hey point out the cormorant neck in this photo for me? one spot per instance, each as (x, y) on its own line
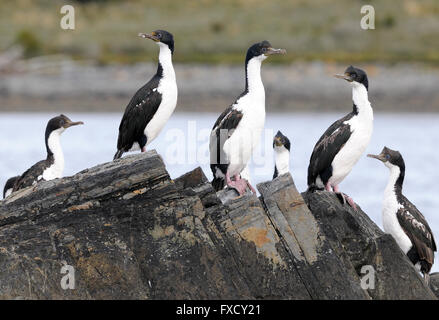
(396, 179)
(165, 68)
(53, 146)
(253, 81)
(359, 95)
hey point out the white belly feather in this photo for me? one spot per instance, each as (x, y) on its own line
(168, 90)
(349, 155)
(390, 221)
(246, 137)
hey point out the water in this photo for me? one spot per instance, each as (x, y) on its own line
(183, 145)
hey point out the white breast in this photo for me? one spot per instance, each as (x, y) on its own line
(168, 89)
(246, 137)
(282, 159)
(390, 221)
(56, 170)
(349, 155)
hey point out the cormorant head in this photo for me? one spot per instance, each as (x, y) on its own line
(354, 76)
(281, 140)
(261, 51)
(161, 37)
(390, 158)
(60, 122)
(56, 126)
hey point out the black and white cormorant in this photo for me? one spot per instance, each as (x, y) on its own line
(281, 147)
(343, 143)
(53, 166)
(9, 186)
(402, 219)
(238, 129)
(152, 105)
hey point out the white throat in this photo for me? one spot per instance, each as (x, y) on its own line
(165, 59)
(282, 159)
(254, 80)
(54, 144)
(361, 100)
(394, 175)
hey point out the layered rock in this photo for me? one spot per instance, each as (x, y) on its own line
(131, 232)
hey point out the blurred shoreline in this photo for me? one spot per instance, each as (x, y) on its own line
(64, 85)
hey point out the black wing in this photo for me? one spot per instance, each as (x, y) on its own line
(325, 150)
(417, 229)
(222, 130)
(139, 111)
(30, 176)
(10, 184)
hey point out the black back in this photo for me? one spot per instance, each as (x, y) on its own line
(411, 219)
(31, 175)
(138, 113)
(222, 130)
(325, 150)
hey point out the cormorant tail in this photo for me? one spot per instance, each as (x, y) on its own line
(118, 154)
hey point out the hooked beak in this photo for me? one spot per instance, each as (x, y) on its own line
(151, 36)
(271, 51)
(345, 76)
(380, 157)
(71, 124)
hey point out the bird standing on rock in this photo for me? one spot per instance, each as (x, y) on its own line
(153, 104)
(237, 131)
(53, 166)
(343, 143)
(402, 219)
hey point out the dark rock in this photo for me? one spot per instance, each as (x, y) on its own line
(434, 283)
(130, 232)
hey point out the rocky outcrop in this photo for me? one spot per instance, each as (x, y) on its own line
(130, 232)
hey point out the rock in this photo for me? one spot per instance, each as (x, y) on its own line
(434, 283)
(130, 232)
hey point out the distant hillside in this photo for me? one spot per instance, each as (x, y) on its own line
(219, 31)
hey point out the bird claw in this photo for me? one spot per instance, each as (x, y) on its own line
(344, 198)
(240, 186)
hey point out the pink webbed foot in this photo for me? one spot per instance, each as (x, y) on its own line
(143, 149)
(344, 198)
(328, 187)
(240, 185)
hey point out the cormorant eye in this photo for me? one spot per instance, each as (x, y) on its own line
(388, 156)
(264, 50)
(159, 35)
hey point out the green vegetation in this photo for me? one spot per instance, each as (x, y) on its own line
(212, 31)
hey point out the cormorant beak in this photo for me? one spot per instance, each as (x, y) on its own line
(71, 124)
(380, 157)
(345, 76)
(151, 36)
(270, 51)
